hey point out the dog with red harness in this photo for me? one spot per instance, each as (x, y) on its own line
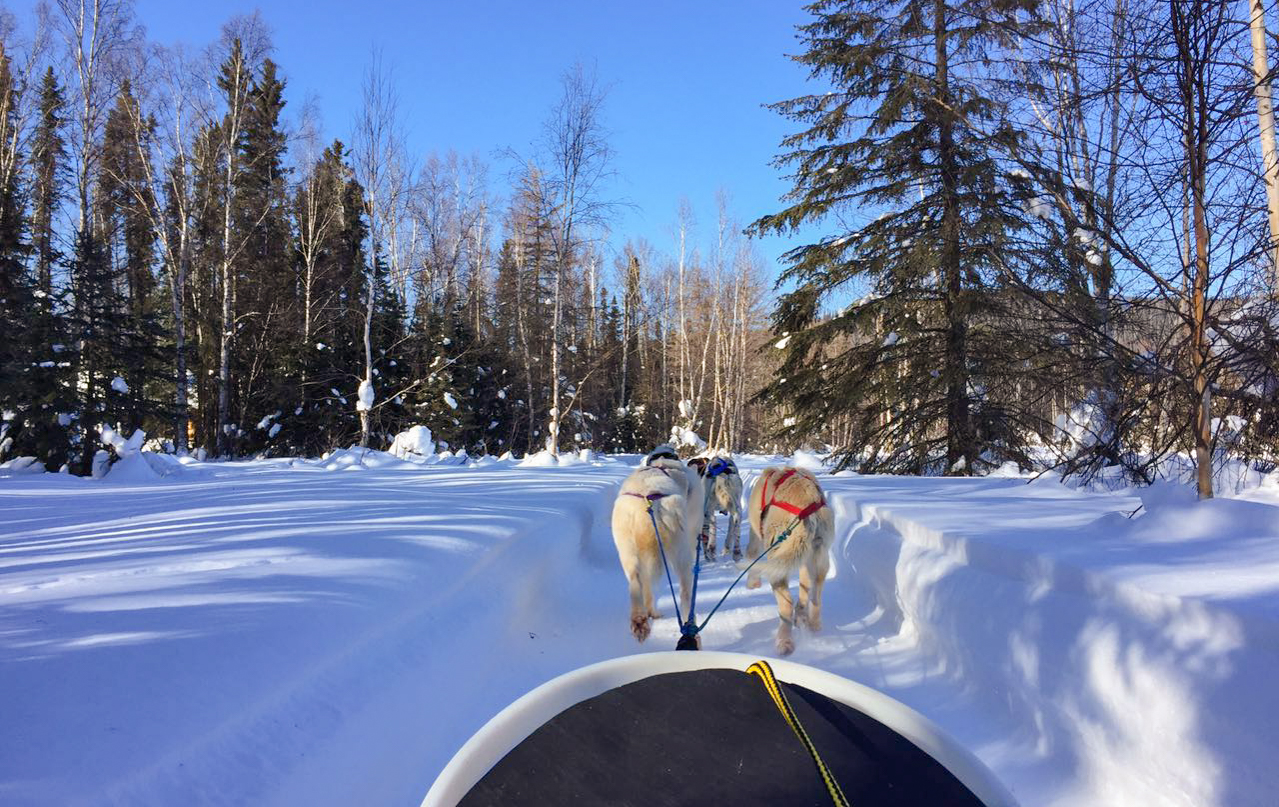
(791, 522)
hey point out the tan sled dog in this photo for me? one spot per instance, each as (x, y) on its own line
(782, 499)
(675, 494)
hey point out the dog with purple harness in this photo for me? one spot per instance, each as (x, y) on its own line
(674, 495)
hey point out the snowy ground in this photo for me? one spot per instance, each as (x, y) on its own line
(289, 632)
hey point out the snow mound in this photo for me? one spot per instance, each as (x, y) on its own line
(687, 438)
(1009, 470)
(133, 463)
(572, 459)
(134, 468)
(21, 465)
(542, 459)
(360, 459)
(451, 458)
(414, 444)
(809, 461)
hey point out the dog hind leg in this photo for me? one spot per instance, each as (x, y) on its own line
(641, 599)
(816, 567)
(786, 615)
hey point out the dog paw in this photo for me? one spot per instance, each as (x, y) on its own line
(752, 581)
(737, 554)
(785, 646)
(640, 627)
(814, 622)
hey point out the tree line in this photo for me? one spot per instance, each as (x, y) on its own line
(179, 254)
(1050, 240)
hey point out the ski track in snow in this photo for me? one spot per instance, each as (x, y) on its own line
(276, 632)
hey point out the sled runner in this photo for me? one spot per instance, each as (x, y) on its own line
(711, 728)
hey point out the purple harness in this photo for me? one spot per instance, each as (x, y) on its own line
(651, 497)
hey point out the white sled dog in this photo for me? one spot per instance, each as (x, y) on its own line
(723, 484)
(675, 494)
(780, 498)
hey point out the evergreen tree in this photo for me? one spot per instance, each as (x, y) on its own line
(48, 168)
(920, 359)
(18, 310)
(204, 284)
(99, 323)
(128, 236)
(265, 281)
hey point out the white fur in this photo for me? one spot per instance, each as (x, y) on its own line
(807, 548)
(679, 514)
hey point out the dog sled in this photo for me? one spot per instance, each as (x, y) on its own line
(680, 728)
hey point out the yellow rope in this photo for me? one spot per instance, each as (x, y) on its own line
(765, 674)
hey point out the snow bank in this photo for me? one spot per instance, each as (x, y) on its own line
(1108, 660)
(21, 465)
(355, 458)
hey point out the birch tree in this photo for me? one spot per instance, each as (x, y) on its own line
(378, 147)
(1266, 131)
(579, 165)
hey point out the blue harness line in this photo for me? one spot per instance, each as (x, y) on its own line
(689, 629)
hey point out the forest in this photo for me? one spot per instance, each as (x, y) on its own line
(1049, 238)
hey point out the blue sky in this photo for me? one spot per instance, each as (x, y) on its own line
(688, 83)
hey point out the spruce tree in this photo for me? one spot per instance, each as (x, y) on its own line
(128, 234)
(48, 169)
(265, 280)
(19, 348)
(908, 139)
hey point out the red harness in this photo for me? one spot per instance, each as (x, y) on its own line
(799, 512)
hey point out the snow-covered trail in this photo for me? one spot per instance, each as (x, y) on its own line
(284, 632)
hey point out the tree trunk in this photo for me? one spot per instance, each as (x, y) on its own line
(553, 433)
(959, 438)
(368, 362)
(1266, 125)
